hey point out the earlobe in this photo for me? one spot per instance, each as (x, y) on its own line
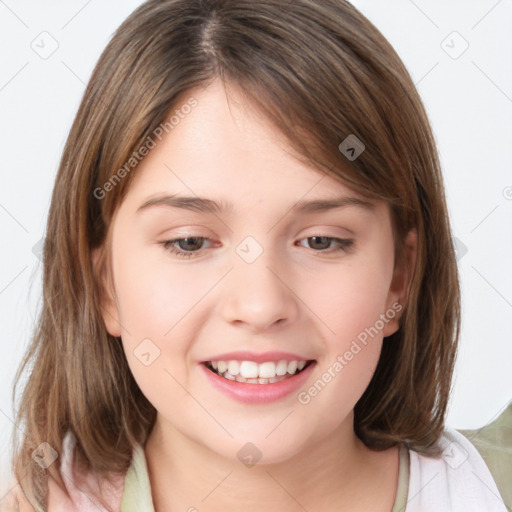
(109, 309)
(400, 284)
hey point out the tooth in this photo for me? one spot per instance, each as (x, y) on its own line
(281, 368)
(222, 366)
(272, 380)
(234, 367)
(301, 365)
(214, 365)
(249, 369)
(228, 376)
(238, 378)
(252, 381)
(292, 366)
(267, 370)
(262, 381)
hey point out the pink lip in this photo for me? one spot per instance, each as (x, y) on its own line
(245, 355)
(258, 393)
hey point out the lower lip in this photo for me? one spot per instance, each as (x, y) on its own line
(258, 393)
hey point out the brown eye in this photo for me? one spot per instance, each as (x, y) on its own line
(184, 247)
(321, 243)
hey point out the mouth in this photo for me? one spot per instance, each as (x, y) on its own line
(251, 372)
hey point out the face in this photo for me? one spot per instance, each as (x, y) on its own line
(264, 288)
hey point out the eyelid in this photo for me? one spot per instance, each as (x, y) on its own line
(341, 245)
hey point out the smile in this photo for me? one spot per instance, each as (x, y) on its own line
(257, 383)
(250, 372)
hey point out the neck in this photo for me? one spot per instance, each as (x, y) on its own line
(333, 474)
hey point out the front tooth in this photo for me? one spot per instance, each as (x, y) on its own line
(234, 367)
(267, 370)
(249, 369)
(292, 367)
(222, 366)
(281, 368)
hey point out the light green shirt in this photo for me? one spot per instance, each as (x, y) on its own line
(493, 441)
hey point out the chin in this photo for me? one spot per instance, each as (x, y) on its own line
(261, 450)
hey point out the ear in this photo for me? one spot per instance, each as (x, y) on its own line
(108, 306)
(399, 288)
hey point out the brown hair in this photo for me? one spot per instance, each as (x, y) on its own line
(320, 71)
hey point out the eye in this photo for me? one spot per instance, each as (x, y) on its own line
(190, 244)
(188, 247)
(341, 244)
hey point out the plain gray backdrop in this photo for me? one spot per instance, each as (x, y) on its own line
(459, 54)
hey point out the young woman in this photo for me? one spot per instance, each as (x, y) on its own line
(250, 289)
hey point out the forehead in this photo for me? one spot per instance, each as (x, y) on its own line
(226, 152)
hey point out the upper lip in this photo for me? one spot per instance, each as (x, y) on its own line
(263, 357)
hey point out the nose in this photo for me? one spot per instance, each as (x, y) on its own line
(259, 295)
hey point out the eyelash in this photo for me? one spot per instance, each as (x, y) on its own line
(344, 245)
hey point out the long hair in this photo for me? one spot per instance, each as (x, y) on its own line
(318, 70)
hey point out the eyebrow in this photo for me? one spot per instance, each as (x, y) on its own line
(204, 205)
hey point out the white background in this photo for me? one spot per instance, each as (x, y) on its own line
(468, 99)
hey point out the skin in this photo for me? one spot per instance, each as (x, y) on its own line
(293, 297)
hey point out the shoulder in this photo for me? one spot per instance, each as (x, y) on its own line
(82, 490)
(78, 491)
(58, 499)
(457, 479)
(494, 443)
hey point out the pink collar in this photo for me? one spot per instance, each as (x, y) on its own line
(77, 495)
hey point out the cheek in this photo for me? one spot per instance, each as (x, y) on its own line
(351, 298)
(153, 307)
(153, 295)
(350, 314)
(350, 301)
